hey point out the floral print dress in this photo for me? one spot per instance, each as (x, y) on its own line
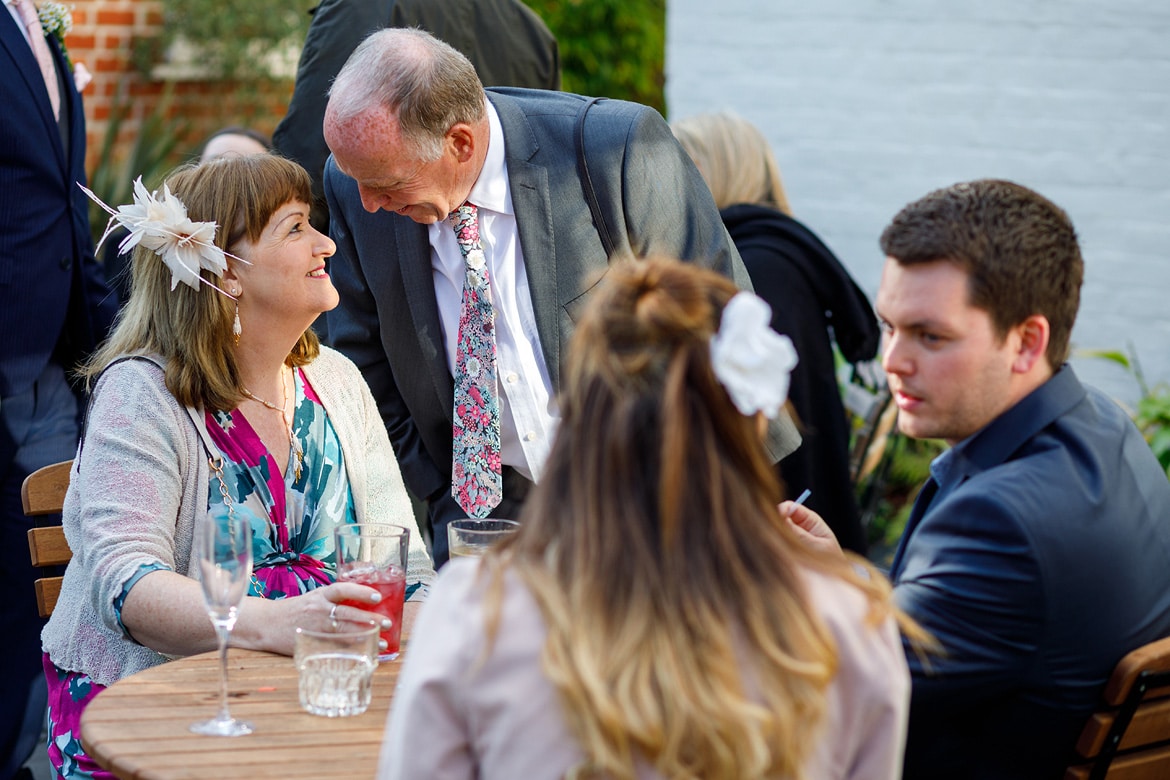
(292, 516)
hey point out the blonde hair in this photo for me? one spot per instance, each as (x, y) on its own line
(655, 552)
(192, 329)
(734, 158)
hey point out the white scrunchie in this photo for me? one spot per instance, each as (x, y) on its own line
(752, 361)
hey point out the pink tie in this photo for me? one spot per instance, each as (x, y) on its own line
(36, 36)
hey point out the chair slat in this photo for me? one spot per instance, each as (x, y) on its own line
(1141, 679)
(1147, 765)
(47, 546)
(48, 590)
(43, 492)
(1154, 657)
(1151, 723)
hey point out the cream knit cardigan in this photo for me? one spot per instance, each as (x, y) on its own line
(140, 480)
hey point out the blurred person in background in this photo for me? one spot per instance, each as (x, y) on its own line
(234, 140)
(814, 301)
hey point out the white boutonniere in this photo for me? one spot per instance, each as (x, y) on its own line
(752, 361)
(56, 21)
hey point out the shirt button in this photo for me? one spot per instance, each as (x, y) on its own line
(66, 263)
(512, 379)
(530, 436)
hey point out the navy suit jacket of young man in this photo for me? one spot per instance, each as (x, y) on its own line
(653, 199)
(1043, 558)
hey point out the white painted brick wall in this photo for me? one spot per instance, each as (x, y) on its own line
(872, 103)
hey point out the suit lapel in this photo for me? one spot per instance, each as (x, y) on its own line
(414, 262)
(528, 184)
(25, 63)
(921, 504)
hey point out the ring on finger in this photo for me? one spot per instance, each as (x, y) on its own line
(333, 615)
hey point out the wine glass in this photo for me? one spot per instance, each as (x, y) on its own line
(225, 565)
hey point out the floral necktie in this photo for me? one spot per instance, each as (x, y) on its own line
(36, 37)
(476, 481)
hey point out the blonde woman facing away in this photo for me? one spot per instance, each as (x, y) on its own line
(212, 359)
(655, 616)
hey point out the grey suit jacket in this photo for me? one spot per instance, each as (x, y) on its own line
(653, 199)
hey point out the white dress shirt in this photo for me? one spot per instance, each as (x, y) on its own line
(528, 412)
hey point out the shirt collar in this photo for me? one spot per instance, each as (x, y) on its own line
(942, 467)
(491, 188)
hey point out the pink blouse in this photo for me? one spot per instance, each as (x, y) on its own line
(458, 715)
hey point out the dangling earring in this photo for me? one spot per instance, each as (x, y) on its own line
(236, 330)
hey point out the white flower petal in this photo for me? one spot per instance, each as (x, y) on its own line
(162, 226)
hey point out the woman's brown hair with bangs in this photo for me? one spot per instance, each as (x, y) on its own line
(192, 329)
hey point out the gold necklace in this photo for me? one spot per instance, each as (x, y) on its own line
(293, 442)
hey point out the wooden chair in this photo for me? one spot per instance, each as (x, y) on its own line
(43, 493)
(1128, 738)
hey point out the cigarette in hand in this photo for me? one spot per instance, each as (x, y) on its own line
(799, 500)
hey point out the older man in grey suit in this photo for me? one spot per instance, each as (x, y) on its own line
(414, 134)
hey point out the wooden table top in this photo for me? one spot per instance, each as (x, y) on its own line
(138, 727)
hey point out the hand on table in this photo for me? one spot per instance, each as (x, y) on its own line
(269, 624)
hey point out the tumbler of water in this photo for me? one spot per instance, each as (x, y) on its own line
(225, 566)
(336, 669)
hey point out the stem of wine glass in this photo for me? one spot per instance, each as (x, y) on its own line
(222, 630)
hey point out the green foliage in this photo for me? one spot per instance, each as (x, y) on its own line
(1152, 415)
(235, 39)
(610, 48)
(1153, 420)
(152, 154)
(887, 498)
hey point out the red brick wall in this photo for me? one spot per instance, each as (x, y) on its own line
(102, 38)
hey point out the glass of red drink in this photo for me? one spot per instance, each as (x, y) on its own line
(374, 554)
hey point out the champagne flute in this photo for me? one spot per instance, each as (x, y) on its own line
(225, 564)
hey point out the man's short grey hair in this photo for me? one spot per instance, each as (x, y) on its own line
(427, 84)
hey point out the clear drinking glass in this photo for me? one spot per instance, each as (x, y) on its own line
(375, 555)
(336, 669)
(225, 565)
(472, 538)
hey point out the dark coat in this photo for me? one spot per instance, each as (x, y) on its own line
(814, 300)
